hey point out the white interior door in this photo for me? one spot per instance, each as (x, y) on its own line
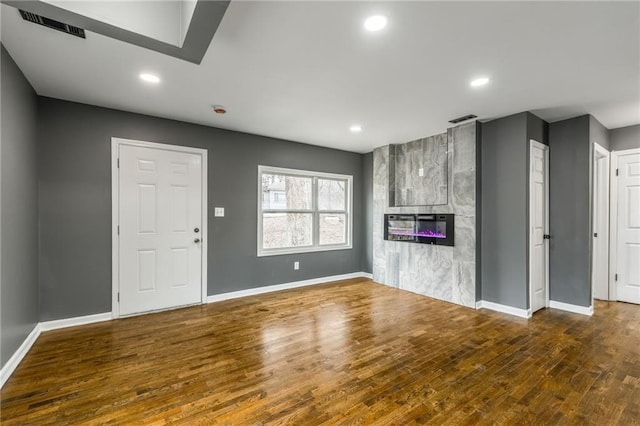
(539, 226)
(600, 276)
(160, 229)
(628, 232)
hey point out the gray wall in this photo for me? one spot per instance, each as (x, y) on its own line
(75, 204)
(19, 201)
(598, 134)
(367, 216)
(537, 129)
(569, 211)
(504, 210)
(504, 206)
(625, 138)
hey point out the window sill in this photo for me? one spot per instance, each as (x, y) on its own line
(279, 252)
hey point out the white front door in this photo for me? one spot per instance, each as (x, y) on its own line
(628, 238)
(538, 221)
(160, 229)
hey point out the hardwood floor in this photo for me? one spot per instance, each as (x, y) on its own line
(352, 352)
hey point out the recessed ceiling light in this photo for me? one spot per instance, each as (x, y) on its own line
(375, 23)
(149, 78)
(479, 82)
(356, 128)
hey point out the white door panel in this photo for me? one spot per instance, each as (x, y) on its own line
(538, 218)
(628, 252)
(160, 206)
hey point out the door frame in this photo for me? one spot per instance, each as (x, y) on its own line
(533, 143)
(116, 143)
(600, 152)
(613, 219)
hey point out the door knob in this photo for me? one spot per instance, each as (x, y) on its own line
(196, 230)
(197, 240)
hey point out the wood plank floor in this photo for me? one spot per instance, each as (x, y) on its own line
(352, 352)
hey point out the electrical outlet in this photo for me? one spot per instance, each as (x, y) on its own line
(420, 172)
(218, 211)
(296, 266)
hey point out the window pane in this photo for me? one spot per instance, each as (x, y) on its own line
(331, 194)
(332, 229)
(281, 192)
(280, 230)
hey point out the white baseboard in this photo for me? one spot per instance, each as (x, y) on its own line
(519, 312)
(583, 310)
(285, 286)
(18, 355)
(72, 322)
(22, 351)
(366, 275)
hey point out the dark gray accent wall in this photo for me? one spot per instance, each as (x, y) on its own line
(74, 156)
(367, 217)
(504, 212)
(625, 138)
(504, 206)
(537, 129)
(569, 211)
(19, 207)
(599, 134)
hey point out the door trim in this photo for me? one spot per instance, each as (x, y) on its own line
(613, 220)
(115, 207)
(533, 143)
(600, 151)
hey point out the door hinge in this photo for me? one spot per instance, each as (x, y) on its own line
(118, 161)
(617, 170)
(595, 235)
(616, 277)
(118, 297)
(118, 229)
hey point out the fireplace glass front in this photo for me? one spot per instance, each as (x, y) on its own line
(420, 228)
(400, 227)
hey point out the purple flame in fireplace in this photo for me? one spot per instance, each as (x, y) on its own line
(428, 233)
(431, 234)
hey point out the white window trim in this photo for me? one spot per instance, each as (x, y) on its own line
(316, 247)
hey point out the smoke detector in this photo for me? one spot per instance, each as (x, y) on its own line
(219, 109)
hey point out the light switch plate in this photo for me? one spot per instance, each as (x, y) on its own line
(420, 172)
(218, 211)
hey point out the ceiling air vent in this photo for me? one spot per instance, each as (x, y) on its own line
(50, 23)
(463, 118)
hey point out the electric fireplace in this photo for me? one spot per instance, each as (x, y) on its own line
(420, 228)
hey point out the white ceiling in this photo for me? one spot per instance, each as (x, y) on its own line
(166, 21)
(305, 71)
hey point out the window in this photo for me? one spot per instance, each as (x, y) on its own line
(301, 211)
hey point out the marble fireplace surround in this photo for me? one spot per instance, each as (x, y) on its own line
(406, 186)
(441, 272)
